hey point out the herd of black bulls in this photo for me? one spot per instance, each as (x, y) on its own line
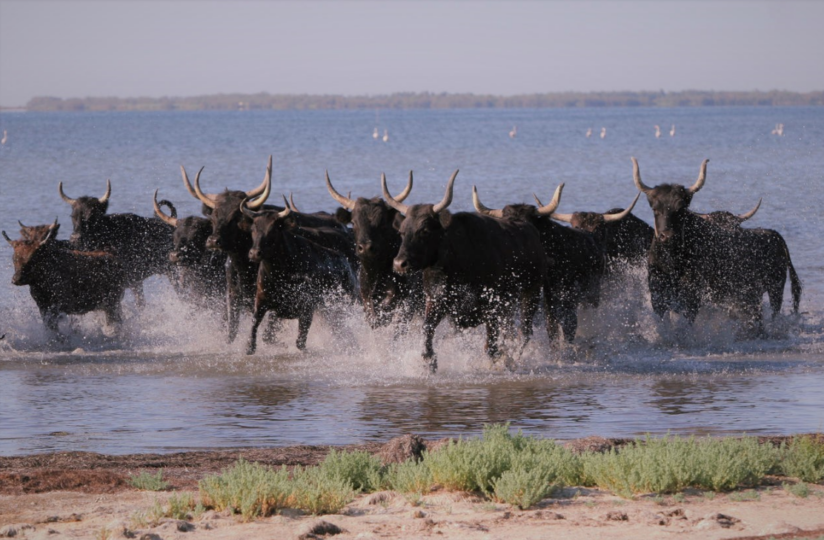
(486, 267)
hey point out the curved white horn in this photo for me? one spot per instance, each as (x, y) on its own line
(400, 207)
(481, 209)
(751, 213)
(163, 217)
(257, 203)
(208, 200)
(292, 203)
(553, 204)
(636, 177)
(447, 197)
(7, 238)
(406, 191)
(267, 179)
(608, 218)
(346, 202)
(286, 210)
(702, 176)
(63, 195)
(246, 211)
(105, 198)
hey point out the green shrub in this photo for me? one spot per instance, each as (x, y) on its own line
(361, 469)
(725, 464)
(522, 487)
(408, 477)
(148, 481)
(314, 491)
(804, 459)
(249, 489)
(801, 489)
(670, 464)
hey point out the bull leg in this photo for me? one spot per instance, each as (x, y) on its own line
(432, 318)
(257, 317)
(304, 322)
(50, 318)
(271, 330)
(493, 332)
(776, 295)
(529, 306)
(569, 320)
(139, 297)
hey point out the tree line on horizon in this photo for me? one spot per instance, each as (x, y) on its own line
(427, 100)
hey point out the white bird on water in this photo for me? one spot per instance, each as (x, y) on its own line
(513, 132)
(375, 133)
(657, 131)
(5, 137)
(672, 131)
(603, 132)
(385, 135)
(589, 133)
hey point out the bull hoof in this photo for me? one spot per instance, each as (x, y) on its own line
(301, 345)
(431, 363)
(250, 349)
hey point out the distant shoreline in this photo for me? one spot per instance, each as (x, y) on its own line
(425, 100)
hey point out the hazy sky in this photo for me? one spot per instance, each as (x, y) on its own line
(71, 48)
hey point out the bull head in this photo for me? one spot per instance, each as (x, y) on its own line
(605, 218)
(349, 204)
(403, 209)
(498, 213)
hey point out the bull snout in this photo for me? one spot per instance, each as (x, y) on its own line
(400, 265)
(74, 238)
(365, 249)
(213, 242)
(254, 255)
(664, 236)
(17, 279)
(174, 257)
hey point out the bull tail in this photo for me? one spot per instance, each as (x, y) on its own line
(795, 282)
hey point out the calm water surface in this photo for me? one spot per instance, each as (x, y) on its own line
(171, 382)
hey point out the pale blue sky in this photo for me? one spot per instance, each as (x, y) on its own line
(72, 48)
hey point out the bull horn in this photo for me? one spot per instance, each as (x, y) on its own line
(447, 197)
(246, 211)
(286, 210)
(7, 238)
(208, 200)
(553, 204)
(636, 176)
(399, 206)
(481, 209)
(292, 203)
(63, 195)
(346, 202)
(702, 176)
(609, 218)
(21, 224)
(188, 184)
(168, 220)
(257, 203)
(751, 213)
(267, 179)
(52, 231)
(105, 198)
(406, 191)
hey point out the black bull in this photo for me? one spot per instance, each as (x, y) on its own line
(140, 244)
(476, 269)
(693, 261)
(575, 263)
(296, 276)
(62, 280)
(232, 234)
(384, 293)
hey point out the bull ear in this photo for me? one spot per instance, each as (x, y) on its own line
(289, 221)
(396, 223)
(343, 216)
(445, 217)
(206, 210)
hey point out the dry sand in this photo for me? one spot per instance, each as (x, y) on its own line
(84, 495)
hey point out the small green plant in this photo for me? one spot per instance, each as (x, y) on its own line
(139, 520)
(148, 481)
(249, 489)
(679, 497)
(104, 534)
(801, 489)
(315, 492)
(409, 477)
(361, 469)
(804, 459)
(178, 507)
(743, 496)
(659, 500)
(708, 495)
(522, 487)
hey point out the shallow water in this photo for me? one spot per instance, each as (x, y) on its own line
(170, 382)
